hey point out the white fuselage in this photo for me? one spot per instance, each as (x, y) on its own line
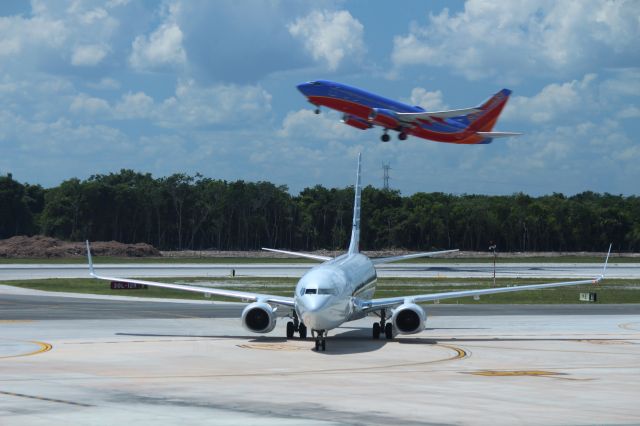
(328, 294)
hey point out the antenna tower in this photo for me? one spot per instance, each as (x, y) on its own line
(385, 168)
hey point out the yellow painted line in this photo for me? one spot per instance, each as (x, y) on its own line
(272, 347)
(41, 398)
(514, 373)
(42, 348)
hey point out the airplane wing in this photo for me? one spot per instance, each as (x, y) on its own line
(382, 260)
(494, 135)
(295, 253)
(429, 116)
(244, 296)
(390, 302)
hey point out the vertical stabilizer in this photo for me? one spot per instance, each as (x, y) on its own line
(355, 230)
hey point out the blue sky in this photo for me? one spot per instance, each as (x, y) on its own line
(192, 86)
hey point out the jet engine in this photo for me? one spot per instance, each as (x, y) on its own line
(383, 117)
(355, 122)
(259, 317)
(409, 318)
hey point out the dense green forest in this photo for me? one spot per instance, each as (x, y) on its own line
(194, 212)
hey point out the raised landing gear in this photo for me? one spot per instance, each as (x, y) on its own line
(321, 343)
(382, 326)
(402, 136)
(296, 326)
(385, 137)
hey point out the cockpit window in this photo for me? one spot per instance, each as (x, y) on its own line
(315, 83)
(310, 291)
(326, 291)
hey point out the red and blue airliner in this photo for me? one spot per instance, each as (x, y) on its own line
(364, 110)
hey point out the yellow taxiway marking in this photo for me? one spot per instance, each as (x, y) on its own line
(42, 347)
(522, 373)
(272, 347)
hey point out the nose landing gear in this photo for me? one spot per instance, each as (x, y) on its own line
(385, 136)
(319, 336)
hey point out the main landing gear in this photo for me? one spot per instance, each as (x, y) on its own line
(320, 336)
(385, 136)
(383, 325)
(296, 326)
(402, 136)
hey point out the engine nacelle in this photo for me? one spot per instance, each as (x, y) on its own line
(409, 318)
(259, 317)
(383, 117)
(355, 122)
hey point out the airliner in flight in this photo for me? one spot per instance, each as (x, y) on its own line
(339, 290)
(364, 110)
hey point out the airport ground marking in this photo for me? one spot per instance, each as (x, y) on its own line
(41, 398)
(42, 348)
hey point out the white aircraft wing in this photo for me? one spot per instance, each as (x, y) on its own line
(494, 135)
(430, 115)
(382, 260)
(390, 302)
(295, 253)
(242, 295)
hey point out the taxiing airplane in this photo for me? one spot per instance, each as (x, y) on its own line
(339, 290)
(364, 110)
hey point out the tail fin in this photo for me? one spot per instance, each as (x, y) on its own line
(489, 111)
(355, 230)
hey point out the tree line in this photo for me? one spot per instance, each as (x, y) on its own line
(195, 212)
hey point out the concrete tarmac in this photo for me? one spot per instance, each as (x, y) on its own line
(113, 361)
(407, 270)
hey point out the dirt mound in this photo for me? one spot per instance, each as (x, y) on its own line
(40, 246)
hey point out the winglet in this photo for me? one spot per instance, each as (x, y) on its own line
(606, 261)
(89, 259)
(355, 231)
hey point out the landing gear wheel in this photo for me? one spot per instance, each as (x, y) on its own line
(317, 110)
(302, 330)
(402, 136)
(320, 340)
(376, 330)
(290, 329)
(388, 331)
(385, 138)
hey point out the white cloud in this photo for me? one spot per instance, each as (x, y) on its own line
(309, 125)
(163, 47)
(105, 83)
(631, 111)
(18, 34)
(514, 39)
(84, 104)
(431, 101)
(330, 36)
(88, 55)
(194, 105)
(554, 101)
(134, 105)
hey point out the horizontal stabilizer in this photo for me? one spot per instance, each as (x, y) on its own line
(295, 253)
(381, 260)
(494, 135)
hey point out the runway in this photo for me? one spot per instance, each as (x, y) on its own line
(106, 361)
(406, 270)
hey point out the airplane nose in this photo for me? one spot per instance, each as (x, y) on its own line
(303, 88)
(314, 303)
